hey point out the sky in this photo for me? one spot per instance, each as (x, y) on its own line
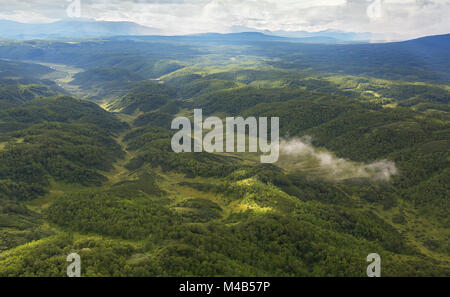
(387, 19)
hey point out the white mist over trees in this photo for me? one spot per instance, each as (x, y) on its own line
(300, 154)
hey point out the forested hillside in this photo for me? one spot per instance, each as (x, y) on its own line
(364, 165)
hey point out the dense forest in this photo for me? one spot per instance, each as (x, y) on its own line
(86, 163)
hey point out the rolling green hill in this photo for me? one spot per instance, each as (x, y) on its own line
(364, 163)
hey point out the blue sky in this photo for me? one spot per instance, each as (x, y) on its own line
(389, 19)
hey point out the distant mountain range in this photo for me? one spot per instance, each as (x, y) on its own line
(320, 36)
(327, 34)
(71, 28)
(87, 28)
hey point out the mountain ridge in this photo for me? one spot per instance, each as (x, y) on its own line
(71, 28)
(89, 28)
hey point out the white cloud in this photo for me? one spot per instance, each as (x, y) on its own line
(300, 154)
(26, 17)
(390, 18)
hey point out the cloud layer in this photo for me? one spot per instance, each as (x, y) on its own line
(300, 154)
(390, 19)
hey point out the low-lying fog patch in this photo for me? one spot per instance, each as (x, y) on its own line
(300, 154)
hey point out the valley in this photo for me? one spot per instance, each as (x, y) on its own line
(86, 164)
